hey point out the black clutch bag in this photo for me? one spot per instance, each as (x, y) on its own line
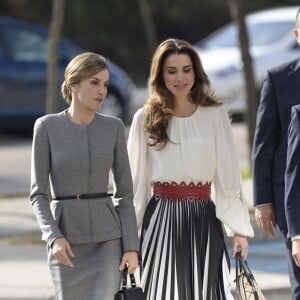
(246, 285)
(129, 293)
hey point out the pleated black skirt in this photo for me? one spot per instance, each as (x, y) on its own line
(183, 251)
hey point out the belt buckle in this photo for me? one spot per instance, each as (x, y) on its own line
(78, 197)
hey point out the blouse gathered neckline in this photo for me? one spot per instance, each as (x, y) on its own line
(188, 117)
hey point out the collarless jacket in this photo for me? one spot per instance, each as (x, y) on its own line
(76, 159)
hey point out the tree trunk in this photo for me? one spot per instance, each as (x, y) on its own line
(149, 27)
(54, 36)
(238, 16)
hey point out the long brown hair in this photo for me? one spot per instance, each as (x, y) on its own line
(161, 103)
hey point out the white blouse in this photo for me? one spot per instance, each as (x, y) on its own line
(201, 150)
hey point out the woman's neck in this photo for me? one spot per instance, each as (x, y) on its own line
(184, 108)
(80, 116)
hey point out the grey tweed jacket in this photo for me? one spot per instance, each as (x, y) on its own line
(77, 159)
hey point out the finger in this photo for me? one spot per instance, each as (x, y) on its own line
(266, 227)
(258, 221)
(131, 270)
(67, 261)
(59, 257)
(69, 250)
(132, 267)
(234, 250)
(244, 253)
(273, 221)
(260, 224)
(269, 228)
(63, 258)
(296, 260)
(122, 264)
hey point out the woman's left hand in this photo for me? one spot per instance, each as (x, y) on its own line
(240, 241)
(130, 259)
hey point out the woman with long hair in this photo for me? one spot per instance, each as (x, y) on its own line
(180, 146)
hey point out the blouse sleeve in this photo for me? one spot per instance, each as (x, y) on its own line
(139, 164)
(231, 208)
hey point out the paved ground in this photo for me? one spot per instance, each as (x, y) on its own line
(24, 272)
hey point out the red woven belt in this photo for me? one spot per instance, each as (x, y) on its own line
(182, 191)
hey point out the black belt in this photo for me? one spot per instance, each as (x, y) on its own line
(83, 196)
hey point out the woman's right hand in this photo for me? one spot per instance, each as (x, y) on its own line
(62, 251)
(240, 241)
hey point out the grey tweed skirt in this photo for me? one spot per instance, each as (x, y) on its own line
(95, 275)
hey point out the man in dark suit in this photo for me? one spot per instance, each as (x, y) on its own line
(292, 184)
(280, 92)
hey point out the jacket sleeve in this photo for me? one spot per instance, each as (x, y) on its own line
(292, 176)
(39, 196)
(140, 166)
(231, 207)
(123, 192)
(265, 141)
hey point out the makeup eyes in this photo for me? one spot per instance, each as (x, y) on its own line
(96, 82)
(174, 71)
(187, 70)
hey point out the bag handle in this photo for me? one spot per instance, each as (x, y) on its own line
(124, 279)
(241, 266)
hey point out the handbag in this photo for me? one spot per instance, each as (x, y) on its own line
(129, 293)
(246, 285)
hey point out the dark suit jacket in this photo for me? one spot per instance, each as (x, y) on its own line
(281, 91)
(292, 175)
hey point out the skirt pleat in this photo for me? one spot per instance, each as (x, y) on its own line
(183, 252)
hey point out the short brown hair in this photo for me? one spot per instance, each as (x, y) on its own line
(79, 68)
